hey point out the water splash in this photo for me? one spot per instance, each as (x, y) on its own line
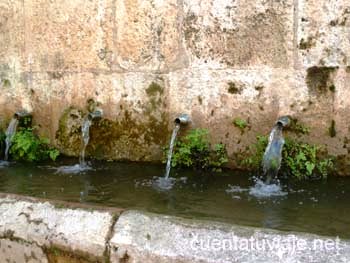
(85, 130)
(171, 149)
(73, 169)
(273, 154)
(236, 189)
(10, 132)
(164, 183)
(262, 189)
(4, 164)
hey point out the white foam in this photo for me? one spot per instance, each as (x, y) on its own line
(263, 190)
(163, 183)
(73, 169)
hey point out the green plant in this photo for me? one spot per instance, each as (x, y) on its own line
(297, 127)
(27, 146)
(240, 123)
(300, 160)
(304, 160)
(194, 150)
(254, 160)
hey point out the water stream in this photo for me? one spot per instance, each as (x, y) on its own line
(171, 149)
(166, 182)
(85, 131)
(273, 154)
(82, 166)
(10, 132)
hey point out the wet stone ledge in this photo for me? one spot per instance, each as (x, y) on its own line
(34, 230)
(79, 231)
(144, 237)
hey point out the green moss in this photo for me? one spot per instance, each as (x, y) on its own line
(6, 83)
(233, 89)
(331, 130)
(154, 89)
(129, 136)
(332, 88)
(306, 44)
(318, 79)
(68, 135)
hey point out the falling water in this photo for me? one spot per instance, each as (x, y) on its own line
(85, 130)
(10, 132)
(171, 148)
(273, 154)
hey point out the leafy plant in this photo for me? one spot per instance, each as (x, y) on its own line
(240, 123)
(305, 160)
(300, 160)
(194, 150)
(297, 127)
(27, 146)
(254, 160)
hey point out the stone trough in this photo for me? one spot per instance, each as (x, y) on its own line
(37, 230)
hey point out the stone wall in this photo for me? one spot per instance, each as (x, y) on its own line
(146, 61)
(37, 231)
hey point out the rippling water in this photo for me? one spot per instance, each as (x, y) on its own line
(320, 207)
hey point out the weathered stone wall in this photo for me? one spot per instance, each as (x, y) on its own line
(146, 61)
(37, 231)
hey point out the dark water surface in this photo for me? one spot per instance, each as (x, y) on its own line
(319, 206)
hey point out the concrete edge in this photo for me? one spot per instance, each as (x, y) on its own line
(100, 234)
(78, 230)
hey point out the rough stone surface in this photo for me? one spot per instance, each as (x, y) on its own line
(324, 33)
(76, 230)
(217, 60)
(144, 237)
(68, 35)
(239, 34)
(20, 252)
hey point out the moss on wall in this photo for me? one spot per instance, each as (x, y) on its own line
(319, 79)
(68, 136)
(137, 137)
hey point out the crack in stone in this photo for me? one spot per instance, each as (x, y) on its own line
(107, 252)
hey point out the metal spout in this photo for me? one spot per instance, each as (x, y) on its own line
(283, 121)
(182, 119)
(21, 114)
(97, 114)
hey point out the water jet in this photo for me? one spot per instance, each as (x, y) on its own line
(182, 119)
(273, 154)
(85, 130)
(12, 128)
